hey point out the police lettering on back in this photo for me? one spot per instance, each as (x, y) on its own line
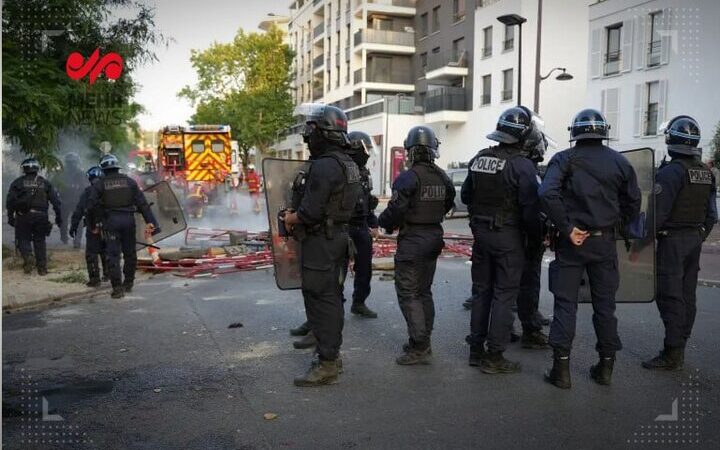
(488, 164)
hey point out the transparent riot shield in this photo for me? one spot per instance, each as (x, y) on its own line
(637, 265)
(167, 211)
(279, 176)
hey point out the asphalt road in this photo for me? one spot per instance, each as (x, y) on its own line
(161, 369)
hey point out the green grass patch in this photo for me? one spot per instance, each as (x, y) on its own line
(71, 277)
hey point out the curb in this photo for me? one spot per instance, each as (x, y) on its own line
(709, 283)
(60, 299)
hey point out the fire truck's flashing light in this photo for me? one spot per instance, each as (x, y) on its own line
(220, 128)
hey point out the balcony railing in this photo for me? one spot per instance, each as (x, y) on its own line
(438, 60)
(487, 52)
(457, 17)
(404, 3)
(508, 44)
(506, 94)
(612, 63)
(317, 92)
(396, 104)
(446, 99)
(384, 37)
(485, 99)
(394, 76)
(357, 76)
(654, 51)
(318, 30)
(318, 61)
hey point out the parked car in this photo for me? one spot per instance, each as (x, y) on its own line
(458, 178)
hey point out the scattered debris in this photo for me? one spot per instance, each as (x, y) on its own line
(157, 390)
(122, 350)
(270, 416)
(235, 325)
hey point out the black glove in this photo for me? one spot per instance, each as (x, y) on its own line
(72, 232)
(11, 221)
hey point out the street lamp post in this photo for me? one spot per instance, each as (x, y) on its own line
(564, 76)
(512, 20)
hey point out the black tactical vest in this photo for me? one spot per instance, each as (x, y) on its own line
(362, 207)
(493, 197)
(118, 192)
(690, 206)
(428, 204)
(342, 201)
(33, 195)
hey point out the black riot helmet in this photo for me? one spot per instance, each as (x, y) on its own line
(30, 166)
(325, 124)
(535, 145)
(361, 145)
(682, 135)
(421, 144)
(93, 173)
(589, 124)
(109, 162)
(513, 126)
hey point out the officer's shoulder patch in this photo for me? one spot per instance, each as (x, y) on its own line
(488, 164)
(658, 188)
(700, 176)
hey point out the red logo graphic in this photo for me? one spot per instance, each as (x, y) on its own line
(76, 67)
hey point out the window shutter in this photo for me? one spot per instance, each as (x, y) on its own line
(665, 39)
(612, 97)
(627, 45)
(638, 117)
(662, 101)
(641, 41)
(595, 52)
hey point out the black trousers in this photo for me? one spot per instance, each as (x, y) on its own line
(323, 262)
(678, 259)
(31, 229)
(94, 250)
(360, 236)
(528, 300)
(598, 257)
(119, 235)
(497, 266)
(418, 249)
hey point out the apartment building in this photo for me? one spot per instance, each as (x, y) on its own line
(650, 61)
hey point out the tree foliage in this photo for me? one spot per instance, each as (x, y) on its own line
(715, 145)
(246, 84)
(40, 100)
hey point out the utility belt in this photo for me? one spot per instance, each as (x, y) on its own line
(37, 211)
(329, 227)
(493, 223)
(603, 232)
(684, 231)
(122, 210)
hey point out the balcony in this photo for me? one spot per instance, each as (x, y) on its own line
(318, 62)
(397, 104)
(318, 31)
(446, 105)
(357, 76)
(440, 65)
(403, 8)
(398, 42)
(395, 80)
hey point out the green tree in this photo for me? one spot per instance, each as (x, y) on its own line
(40, 101)
(246, 84)
(715, 145)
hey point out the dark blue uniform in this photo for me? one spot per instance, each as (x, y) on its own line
(362, 219)
(594, 188)
(501, 191)
(69, 184)
(685, 214)
(27, 207)
(421, 197)
(327, 203)
(112, 203)
(94, 244)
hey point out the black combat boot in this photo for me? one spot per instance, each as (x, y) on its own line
(93, 272)
(534, 340)
(602, 371)
(495, 362)
(406, 348)
(117, 291)
(28, 264)
(559, 375)
(414, 356)
(477, 354)
(467, 304)
(93, 282)
(362, 310)
(670, 358)
(128, 286)
(320, 373)
(306, 342)
(302, 330)
(42, 271)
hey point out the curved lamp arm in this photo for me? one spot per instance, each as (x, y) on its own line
(551, 72)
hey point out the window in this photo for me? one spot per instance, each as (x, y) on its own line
(612, 51)
(217, 146)
(458, 10)
(507, 92)
(509, 42)
(424, 25)
(654, 47)
(653, 96)
(486, 89)
(436, 50)
(382, 68)
(436, 19)
(458, 48)
(198, 146)
(423, 60)
(382, 24)
(487, 42)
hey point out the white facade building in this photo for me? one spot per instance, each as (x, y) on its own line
(650, 61)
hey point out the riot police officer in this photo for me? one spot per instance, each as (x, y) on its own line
(70, 188)
(94, 245)
(501, 193)
(363, 225)
(685, 214)
(112, 203)
(421, 196)
(328, 201)
(27, 208)
(589, 192)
